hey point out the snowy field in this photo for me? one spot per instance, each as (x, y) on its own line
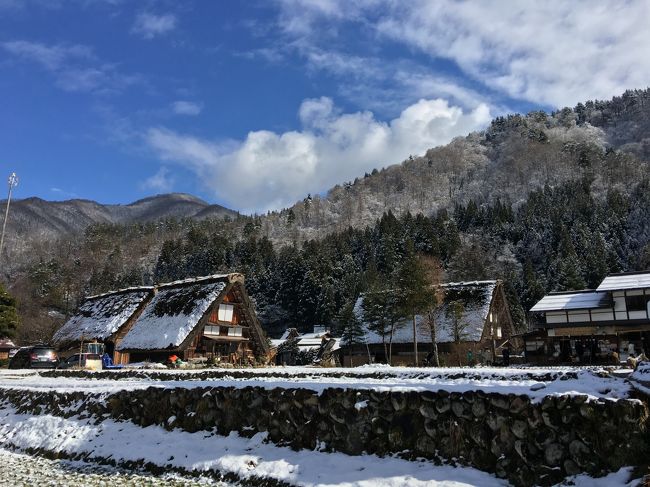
(535, 382)
(247, 457)
(254, 458)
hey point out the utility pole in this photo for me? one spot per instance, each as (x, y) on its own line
(13, 182)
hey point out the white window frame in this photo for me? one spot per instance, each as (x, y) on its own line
(225, 312)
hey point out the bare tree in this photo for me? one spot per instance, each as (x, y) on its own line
(434, 275)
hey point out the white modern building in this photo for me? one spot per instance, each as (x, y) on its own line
(593, 325)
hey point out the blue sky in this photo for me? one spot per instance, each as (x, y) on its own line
(255, 104)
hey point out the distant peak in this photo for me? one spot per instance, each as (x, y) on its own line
(171, 197)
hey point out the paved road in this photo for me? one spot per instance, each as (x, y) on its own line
(19, 470)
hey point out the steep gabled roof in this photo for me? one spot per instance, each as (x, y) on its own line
(475, 298)
(101, 316)
(174, 312)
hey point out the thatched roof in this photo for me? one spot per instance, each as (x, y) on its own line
(101, 316)
(174, 312)
(474, 299)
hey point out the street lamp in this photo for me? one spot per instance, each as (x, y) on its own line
(13, 182)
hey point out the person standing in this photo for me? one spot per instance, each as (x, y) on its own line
(470, 358)
(506, 357)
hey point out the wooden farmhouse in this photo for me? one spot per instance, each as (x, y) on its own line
(204, 318)
(473, 316)
(104, 318)
(606, 324)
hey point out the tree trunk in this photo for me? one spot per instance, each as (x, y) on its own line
(415, 341)
(434, 341)
(390, 346)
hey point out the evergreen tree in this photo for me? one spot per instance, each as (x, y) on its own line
(377, 316)
(413, 292)
(456, 312)
(8, 314)
(351, 328)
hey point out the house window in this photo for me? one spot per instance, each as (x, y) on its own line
(636, 303)
(235, 331)
(211, 330)
(498, 332)
(225, 312)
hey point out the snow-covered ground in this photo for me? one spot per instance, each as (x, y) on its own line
(247, 457)
(534, 382)
(21, 470)
(253, 457)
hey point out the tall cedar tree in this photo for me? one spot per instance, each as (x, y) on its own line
(434, 275)
(456, 312)
(8, 314)
(414, 292)
(377, 313)
(380, 310)
(351, 328)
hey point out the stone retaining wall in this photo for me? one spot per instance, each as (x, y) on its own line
(506, 434)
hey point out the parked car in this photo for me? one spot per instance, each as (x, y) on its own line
(37, 357)
(90, 361)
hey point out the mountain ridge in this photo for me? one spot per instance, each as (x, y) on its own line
(35, 216)
(511, 156)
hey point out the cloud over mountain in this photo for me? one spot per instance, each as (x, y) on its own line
(269, 170)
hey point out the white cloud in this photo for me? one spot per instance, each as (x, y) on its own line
(74, 66)
(182, 107)
(161, 182)
(270, 170)
(150, 25)
(50, 57)
(557, 53)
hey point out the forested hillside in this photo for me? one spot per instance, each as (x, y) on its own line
(544, 201)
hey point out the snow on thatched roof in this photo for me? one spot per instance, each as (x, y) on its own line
(474, 297)
(174, 312)
(102, 315)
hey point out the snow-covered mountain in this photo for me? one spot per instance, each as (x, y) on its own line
(35, 217)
